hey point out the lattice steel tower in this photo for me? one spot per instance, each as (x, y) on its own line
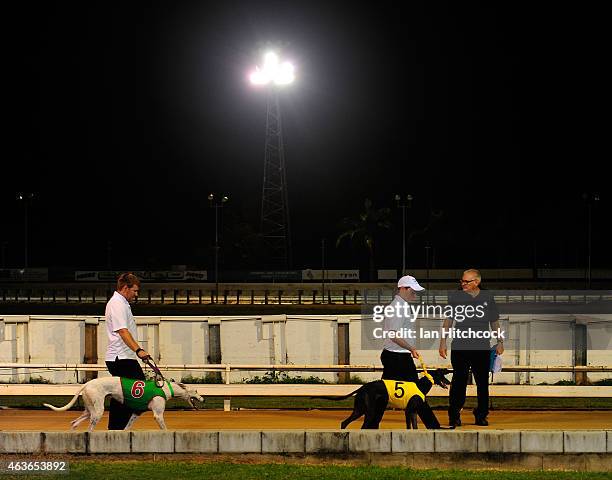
(275, 225)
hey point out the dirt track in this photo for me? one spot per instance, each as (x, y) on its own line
(306, 419)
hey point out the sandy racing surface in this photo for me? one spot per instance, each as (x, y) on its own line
(40, 420)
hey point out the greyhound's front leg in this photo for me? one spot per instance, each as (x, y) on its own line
(131, 420)
(157, 406)
(410, 418)
(411, 412)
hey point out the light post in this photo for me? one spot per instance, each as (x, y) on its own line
(4, 245)
(26, 198)
(109, 253)
(323, 270)
(590, 199)
(427, 249)
(217, 203)
(403, 205)
(273, 76)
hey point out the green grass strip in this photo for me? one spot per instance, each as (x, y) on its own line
(227, 471)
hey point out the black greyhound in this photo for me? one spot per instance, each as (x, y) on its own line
(372, 399)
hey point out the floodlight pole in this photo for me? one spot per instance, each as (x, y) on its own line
(275, 224)
(591, 199)
(4, 245)
(25, 198)
(403, 206)
(217, 204)
(322, 270)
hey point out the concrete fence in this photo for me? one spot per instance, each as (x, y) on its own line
(589, 450)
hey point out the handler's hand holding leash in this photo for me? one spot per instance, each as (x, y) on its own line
(140, 353)
(148, 360)
(420, 359)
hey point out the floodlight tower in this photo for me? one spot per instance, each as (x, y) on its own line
(274, 204)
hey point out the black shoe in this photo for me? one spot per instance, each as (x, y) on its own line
(454, 422)
(480, 420)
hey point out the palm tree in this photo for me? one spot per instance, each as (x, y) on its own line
(363, 230)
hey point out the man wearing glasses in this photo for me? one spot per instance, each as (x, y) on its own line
(475, 317)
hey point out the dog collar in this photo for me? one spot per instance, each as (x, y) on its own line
(167, 389)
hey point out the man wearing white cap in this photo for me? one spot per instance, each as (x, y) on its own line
(398, 353)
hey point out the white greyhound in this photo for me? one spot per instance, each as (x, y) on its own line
(95, 391)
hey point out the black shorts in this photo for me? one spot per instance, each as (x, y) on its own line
(398, 366)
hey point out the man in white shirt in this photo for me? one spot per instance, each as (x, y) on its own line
(123, 350)
(397, 352)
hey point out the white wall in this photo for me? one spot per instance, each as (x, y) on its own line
(280, 339)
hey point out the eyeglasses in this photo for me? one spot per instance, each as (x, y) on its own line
(463, 282)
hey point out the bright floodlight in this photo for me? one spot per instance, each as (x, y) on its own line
(273, 72)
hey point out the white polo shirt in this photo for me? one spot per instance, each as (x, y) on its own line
(397, 323)
(119, 315)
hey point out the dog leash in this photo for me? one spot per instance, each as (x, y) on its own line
(425, 372)
(160, 381)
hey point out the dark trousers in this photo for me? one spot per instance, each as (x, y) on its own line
(462, 361)
(118, 414)
(398, 366)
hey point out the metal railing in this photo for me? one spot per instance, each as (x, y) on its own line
(277, 296)
(227, 368)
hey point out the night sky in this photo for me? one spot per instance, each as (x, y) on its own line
(123, 116)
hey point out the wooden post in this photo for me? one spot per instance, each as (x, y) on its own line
(580, 352)
(91, 349)
(343, 351)
(214, 347)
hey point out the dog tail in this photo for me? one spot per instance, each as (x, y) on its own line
(69, 405)
(344, 397)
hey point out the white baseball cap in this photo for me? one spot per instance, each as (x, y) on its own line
(409, 281)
